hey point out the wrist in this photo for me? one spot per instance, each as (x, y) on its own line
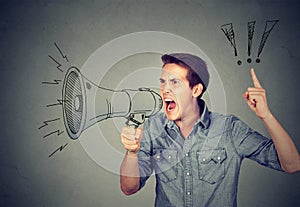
(132, 153)
(267, 117)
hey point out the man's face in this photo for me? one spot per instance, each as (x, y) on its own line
(178, 99)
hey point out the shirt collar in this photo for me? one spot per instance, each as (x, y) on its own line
(205, 116)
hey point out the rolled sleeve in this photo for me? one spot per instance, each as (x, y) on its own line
(251, 144)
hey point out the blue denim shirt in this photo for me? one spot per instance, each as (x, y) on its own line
(203, 169)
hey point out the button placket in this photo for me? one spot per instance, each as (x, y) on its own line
(188, 179)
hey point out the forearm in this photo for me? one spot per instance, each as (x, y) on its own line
(129, 174)
(285, 147)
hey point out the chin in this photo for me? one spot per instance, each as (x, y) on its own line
(171, 117)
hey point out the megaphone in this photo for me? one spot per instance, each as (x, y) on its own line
(85, 103)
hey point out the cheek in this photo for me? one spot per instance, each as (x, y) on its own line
(183, 103)
(184, 98)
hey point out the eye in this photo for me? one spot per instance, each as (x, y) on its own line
(175, 82)
(162, 81)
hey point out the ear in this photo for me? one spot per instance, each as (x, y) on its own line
(197, 90)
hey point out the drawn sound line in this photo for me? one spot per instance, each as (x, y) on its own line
(55, 82)
(57, 132)
(60, 102)
(228, 31)
(46, 123)
(58, 149)
(61, 53)
(58, 64)
(63, 59)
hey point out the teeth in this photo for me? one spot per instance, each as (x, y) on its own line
(168, 102)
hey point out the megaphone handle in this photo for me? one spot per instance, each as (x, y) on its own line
(135, 119)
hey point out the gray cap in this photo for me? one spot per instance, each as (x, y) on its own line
(194, 62)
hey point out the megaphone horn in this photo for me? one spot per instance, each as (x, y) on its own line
(85, 103)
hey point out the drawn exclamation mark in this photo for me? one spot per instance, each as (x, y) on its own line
(251, 26)
(269, 26)
(229, 33)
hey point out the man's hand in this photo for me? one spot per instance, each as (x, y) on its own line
(256, 98)
(284, 145)
(129, 170)
(131, 139)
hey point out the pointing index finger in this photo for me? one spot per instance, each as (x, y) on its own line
(254, 78)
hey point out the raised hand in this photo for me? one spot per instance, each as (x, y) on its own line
(256, 98)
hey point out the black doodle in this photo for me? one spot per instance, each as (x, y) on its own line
(228, 30)
(58, 64)
(55, 82)
(58, 149)
(57, 132)
(229, 33)
(61, 53)
(77, 112)
(46, 123)
(77, 108)
(269, 26)
(251, 26)
(60, 102)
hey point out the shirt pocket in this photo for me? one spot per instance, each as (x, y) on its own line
(164, 161)
(211, 167)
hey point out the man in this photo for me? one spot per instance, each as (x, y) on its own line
(197, 154)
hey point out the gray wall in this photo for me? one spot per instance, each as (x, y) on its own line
(28, 31)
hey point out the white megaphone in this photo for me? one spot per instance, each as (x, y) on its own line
(85, 103)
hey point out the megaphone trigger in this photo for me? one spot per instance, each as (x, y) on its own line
(135, 119)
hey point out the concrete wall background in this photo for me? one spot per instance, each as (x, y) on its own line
(28, 31)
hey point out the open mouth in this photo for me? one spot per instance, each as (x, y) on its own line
(170, 104)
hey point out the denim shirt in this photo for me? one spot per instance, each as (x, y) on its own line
(203, 169)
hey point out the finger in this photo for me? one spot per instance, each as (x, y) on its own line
(132, 147)
(128, 136)
(246, 95)
(252, 89)
(138, 134)
(128, 130)
(256, 92)
(255, 79)
(256, 97)
(251, 104)
(129, 133)
(128, 141)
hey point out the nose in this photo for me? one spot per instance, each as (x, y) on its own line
(166, 87)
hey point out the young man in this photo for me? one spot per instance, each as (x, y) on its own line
(197, 154)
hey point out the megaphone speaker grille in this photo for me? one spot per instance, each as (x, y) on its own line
(73, 105)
